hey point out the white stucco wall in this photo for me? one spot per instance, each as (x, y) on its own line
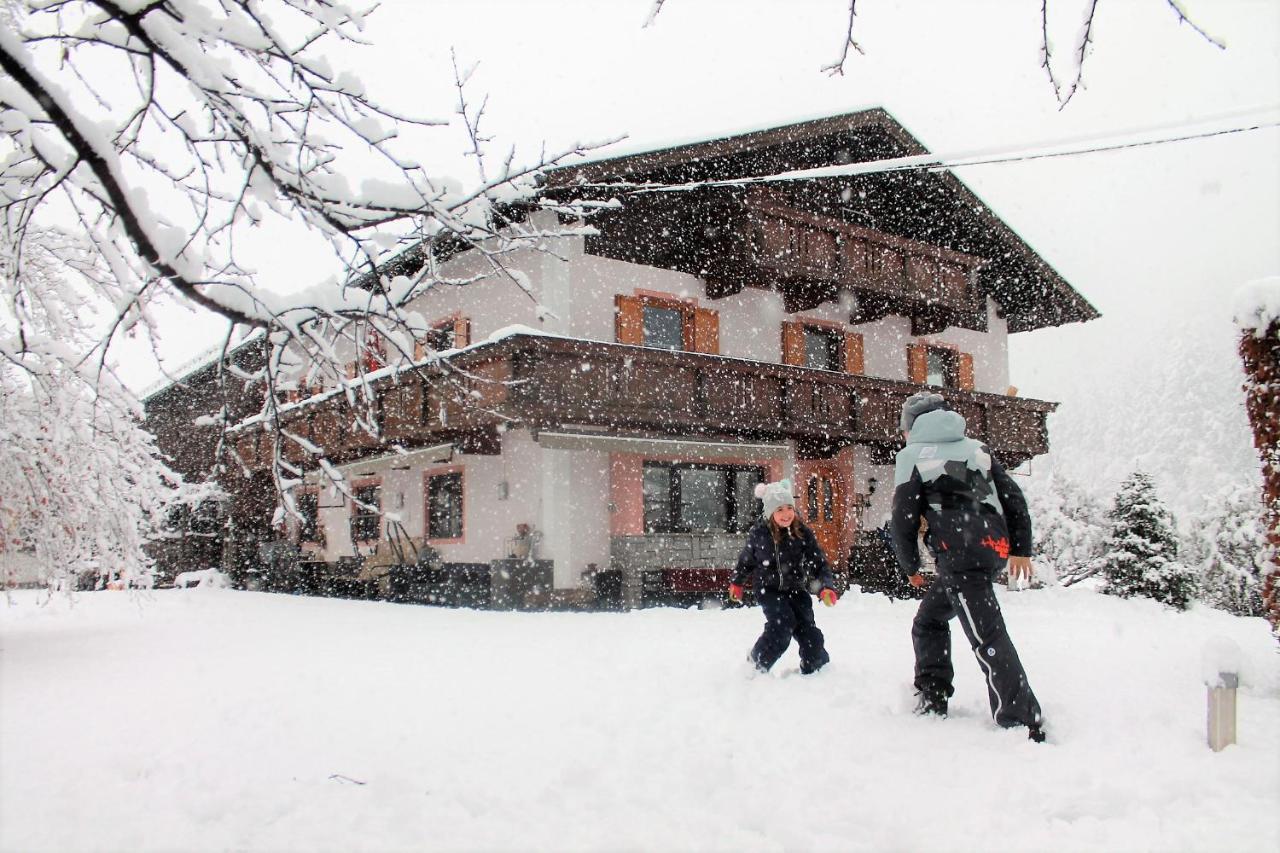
(751, 320)
(564, 494)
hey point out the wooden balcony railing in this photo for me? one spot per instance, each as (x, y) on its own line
(547, 382)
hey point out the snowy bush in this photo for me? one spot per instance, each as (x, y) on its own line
(82, 486)
(1070, 530)
(1227, 546)
(1141, 556)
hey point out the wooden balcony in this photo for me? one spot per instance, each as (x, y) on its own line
(815, 257)
(556, 383)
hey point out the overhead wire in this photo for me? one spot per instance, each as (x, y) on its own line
(934, 163)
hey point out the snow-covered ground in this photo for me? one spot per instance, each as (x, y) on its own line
(222, 720)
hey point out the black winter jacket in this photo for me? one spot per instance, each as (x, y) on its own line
(794, 563)
(977, 514)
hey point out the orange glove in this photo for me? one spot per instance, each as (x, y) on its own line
(735, 592)
(828, 596)
(917, 580)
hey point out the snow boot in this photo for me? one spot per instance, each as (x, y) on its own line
(930, 704)
(1035, 733)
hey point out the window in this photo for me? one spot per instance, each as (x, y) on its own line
(822, 348)
(663, 327)
(690, 497)
(822, 345)
(449, 333)
(366, 513)
(308, 506)
(941, 367)
(666, 322)
(444, 506)
(821, 499)
(441, 337)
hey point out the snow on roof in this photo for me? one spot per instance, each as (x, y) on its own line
(655, 145)
(195, 364)
(1256, 305)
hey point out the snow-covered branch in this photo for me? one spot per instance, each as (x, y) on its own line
(164, 131)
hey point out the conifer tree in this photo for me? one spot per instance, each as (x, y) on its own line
(1228, 547)
(1142, 550)
(1070, 530)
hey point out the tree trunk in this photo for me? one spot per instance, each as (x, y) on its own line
(1261, 357)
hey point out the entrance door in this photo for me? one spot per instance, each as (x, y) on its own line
(824, 508)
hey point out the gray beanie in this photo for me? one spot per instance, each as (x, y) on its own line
(918, 404)
(774, 495)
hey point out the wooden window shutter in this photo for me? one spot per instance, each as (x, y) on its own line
(628, 318)
(461, 332)
(706, 331)
(792, 343)
(964, 371)
(853, 357)
(917, 363)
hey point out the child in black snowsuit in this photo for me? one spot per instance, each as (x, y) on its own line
(787, 565)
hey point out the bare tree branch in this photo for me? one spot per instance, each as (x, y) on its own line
(1183, 19)
(837, 67)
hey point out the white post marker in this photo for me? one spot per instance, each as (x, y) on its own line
(1221, 671)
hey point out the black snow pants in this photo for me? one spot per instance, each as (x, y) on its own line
(973, 600)
(789, 614)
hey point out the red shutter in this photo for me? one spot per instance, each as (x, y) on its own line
(792, 343)
(706, 331)
(853, 354)
(917, 363)
(964, 369)
(628, 320)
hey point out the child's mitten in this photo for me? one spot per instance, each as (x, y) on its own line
(828, 596)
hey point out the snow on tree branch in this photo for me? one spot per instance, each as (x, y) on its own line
(71, 442)
(163, 131)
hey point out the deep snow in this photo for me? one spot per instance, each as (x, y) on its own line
(215, 719)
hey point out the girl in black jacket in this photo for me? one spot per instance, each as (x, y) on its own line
(786, 565)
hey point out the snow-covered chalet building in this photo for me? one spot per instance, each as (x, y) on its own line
(705, 339)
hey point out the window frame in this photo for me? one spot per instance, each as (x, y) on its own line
(316, 532)
(359, 515)
(834, 340)
(950, 366)
(441, 473)
(674, 522)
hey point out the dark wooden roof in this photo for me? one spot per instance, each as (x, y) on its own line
(930, 206)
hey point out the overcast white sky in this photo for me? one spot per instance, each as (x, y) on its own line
(1156, 238)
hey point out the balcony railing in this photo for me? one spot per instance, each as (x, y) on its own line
(547, 382)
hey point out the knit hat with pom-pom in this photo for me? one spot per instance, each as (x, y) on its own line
(774, 495)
